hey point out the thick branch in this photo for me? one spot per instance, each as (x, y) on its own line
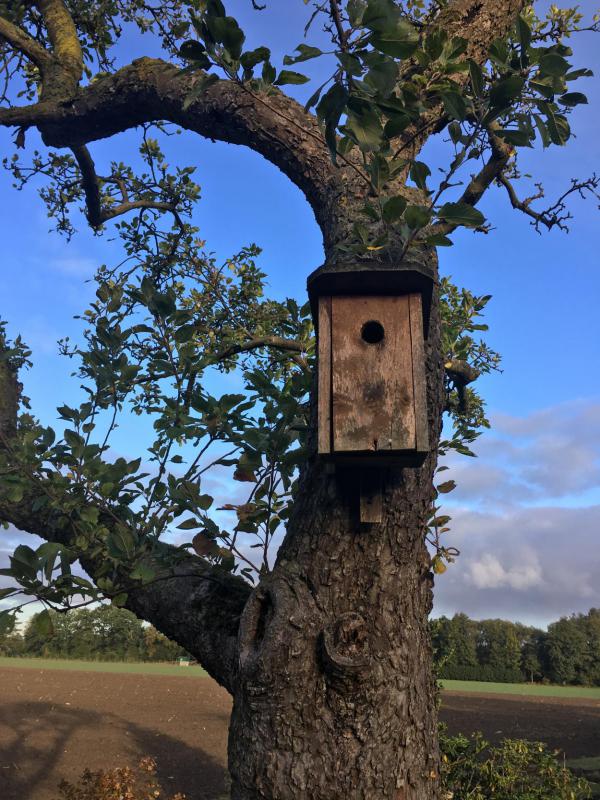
(461, 372)
(149, 90)
(274, 342)
(64, 39)
(21, 41)
(501, 153)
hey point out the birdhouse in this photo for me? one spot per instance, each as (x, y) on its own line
(372, 401)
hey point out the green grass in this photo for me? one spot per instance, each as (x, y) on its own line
(104, 666)
(525, 689)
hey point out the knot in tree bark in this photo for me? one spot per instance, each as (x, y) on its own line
(346, 652)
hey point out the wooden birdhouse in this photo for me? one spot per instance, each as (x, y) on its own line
(372, 401)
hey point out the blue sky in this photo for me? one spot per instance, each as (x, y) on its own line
(527, 511)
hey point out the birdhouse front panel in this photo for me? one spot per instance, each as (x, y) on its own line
(372, 398)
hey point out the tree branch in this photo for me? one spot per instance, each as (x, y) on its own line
(501, 153)
(151, 89)
(552, 216)
(197, 605)
(334, 10)
(21, 41)
(96, 214)
(275, 342)
(64, 39)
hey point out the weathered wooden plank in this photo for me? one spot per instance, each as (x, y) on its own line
(324, 380)
(419, 372)
(372, 381)
(371, 496)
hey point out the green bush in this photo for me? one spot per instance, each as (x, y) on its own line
(473, 769)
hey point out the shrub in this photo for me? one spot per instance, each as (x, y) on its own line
(122, 783)
(473, 769)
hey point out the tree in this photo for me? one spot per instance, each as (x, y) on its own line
(327, 656)
(573, 647)
(498, 650)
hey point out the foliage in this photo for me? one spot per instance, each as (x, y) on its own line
(508, 652)
(169, 320)
(374, 95)
(120, 783)
(163, 326)
(573, 649)
(472, 769)
(105, 633)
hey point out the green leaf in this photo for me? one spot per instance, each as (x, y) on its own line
(363, 125)
(393, 208)
(476, 76)
(553, 64)
(121, 542)
(305, 53)
(189, 524)
(454, 105)
(7, 622)
(380, 15)
(287, 76)
(6, 592)
(215, 8)
(355, 10)
(461, 214)
(227, 32)
(447, 486)
(417, 216)
(251, 58)
(439, 240)
(523, 33)
(542, 129)
(119, 600)
(204, 502)
(518, 138)
(573, 99)
(194, 51)
(558, 127)
(268, 72)
(383, 76)
(142, 572)
(419, 172)
(400, 42)
(505, 91)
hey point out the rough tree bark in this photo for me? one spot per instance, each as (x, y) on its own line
(328, 659)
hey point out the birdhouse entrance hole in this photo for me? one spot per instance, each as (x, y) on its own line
(372, 332)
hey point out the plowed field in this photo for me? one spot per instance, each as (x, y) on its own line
(53, 724)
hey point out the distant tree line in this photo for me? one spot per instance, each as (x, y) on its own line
(105, 633)
(508, 652)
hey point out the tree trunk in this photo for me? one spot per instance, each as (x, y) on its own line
(334, 697)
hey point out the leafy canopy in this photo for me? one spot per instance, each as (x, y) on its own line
(169, 319)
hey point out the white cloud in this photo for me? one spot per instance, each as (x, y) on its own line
(489, 573)
(531, 564)
(551, 454)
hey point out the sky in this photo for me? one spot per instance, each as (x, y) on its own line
(526, 513)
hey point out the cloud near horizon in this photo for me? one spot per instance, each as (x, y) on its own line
(526, 518)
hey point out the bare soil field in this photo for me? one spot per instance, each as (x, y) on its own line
(53, 724)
